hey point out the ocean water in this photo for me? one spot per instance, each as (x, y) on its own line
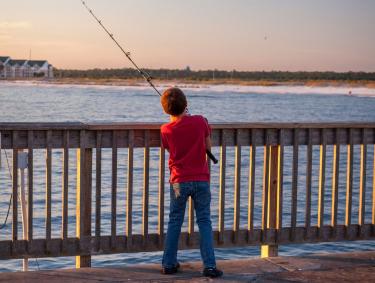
(20, 102)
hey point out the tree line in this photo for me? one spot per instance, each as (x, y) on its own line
(203, 75)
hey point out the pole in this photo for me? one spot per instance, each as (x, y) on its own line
(22, 165)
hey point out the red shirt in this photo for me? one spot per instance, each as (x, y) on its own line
(185, 139)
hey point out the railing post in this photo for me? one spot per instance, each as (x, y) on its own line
(272, 250)
(83, 207)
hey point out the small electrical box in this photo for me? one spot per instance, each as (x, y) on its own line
(22, 160)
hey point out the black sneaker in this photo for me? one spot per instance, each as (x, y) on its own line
(170, 270)
(212, 272)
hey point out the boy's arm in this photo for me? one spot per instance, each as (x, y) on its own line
(208, 150)
(208, 134)
(164, 140)
(208, 143)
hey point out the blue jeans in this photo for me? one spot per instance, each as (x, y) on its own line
(201, 195)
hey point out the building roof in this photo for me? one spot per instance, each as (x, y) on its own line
(17, 62)
(39, 63)
(4, 58)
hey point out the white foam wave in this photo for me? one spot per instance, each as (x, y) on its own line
(328, 90)
(321, 90)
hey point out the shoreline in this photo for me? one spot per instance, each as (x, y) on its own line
(194, 83)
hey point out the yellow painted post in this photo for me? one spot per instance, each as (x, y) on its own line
(83, 207)
(272, 250)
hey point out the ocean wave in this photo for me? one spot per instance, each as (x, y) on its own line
(224, 88)
(321, 90)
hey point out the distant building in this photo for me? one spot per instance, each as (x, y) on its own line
(16, 68)
(19, 69)
(3, 67)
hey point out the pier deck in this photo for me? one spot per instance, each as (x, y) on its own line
(342, 267)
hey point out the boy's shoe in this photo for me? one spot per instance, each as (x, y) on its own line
(170, 270)
(212, 272)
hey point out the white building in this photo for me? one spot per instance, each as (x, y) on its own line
(41, 69)
(18, 69)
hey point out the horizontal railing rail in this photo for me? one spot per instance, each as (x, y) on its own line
(100, 188)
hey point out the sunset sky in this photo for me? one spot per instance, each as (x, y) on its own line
(309, 35)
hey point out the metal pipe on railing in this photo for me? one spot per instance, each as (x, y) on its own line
(22, 165)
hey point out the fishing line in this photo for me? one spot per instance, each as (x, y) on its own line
(144, 74)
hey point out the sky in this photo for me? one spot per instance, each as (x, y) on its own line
(286, 35)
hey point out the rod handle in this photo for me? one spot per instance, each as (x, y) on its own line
(211, 156)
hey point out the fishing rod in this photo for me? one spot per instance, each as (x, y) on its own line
(144, 74)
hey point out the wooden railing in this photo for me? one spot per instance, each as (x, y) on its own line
(276, 184)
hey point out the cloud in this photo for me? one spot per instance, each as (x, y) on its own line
(7, 25)
(9, 28)
(4, 37)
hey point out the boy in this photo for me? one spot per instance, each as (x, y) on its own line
(187, 138)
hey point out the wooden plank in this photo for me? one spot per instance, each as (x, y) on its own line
(48, 220)
(30, 182)
(57, 142)
(98, 187)
(129, 193)
(293, 223)
(265, 193)
(280, 178)
(322, 178)
(223, 151)
(155, 126)
(83, 202)
(251, 188)
(307, 125)
(146, 174)
(81, 247)
(271, 249)
(161, 195)
(237, 188)
(308, 180)
(15, 188)
(335, 180)
(65, 186)
(114, 190)
(362, 182)
(273, 186)
(349, 180)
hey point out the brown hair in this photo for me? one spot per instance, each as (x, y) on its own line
(173, 101)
